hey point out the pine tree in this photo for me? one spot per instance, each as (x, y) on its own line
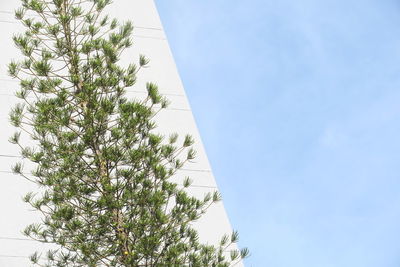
(105, 192)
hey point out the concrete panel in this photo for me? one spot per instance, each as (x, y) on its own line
(149, 40)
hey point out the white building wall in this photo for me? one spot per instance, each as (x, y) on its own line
(150, 40)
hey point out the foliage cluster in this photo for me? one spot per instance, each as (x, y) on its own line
(106, 194)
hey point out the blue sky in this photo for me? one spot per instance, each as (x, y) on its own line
(298, 105)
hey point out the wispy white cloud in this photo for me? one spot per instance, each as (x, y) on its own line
(306, 133)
